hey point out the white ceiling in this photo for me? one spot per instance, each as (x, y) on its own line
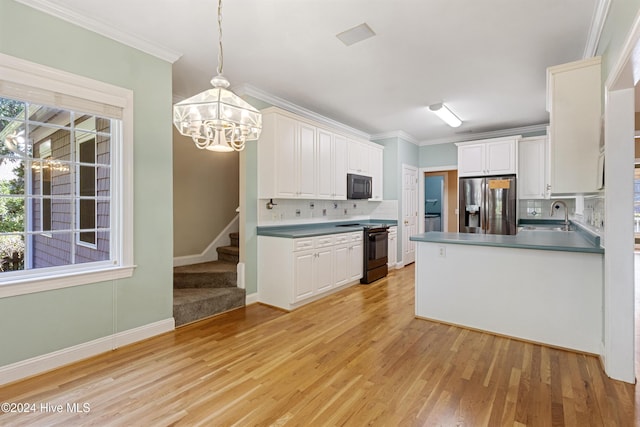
(485, 59)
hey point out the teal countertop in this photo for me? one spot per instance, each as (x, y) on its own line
(572, 241)
(318, 229)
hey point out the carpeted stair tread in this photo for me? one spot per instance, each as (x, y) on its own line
(228, 253)
(214, 274)
(207, 267)
(193, 304)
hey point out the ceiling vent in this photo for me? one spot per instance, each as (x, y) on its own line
(356, 34)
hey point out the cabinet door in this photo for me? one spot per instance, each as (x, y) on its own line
(306, 171)
(323, 269)
(500, 158)
(532, 170)
(392, 253)
(324, 164)
(339, 168)
(575, 120)
(375, 162)
(341, 265)
(355, 260)
(286, 157)
(303, 283)
(358, 154)
(471, 160)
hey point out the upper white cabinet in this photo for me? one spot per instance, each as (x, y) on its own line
(375, 170)
(533, 170)
(488, 157)
(574, 102)
(299, 159)
(358, 153)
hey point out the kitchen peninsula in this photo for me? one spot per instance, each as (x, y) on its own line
(542, 286)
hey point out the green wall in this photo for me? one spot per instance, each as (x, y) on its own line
(438, 155)
(48, 321)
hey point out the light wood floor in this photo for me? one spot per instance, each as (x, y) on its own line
(358, 357)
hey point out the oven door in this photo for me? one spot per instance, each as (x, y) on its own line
(377, 246)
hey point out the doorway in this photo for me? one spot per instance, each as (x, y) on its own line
(449, 204)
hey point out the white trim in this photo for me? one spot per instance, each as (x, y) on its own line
(246, 89)
(103, 28)
(38, 76)
(210, 253)
(46, 362)
(240, 281)
(252, 299)
(395, 134)
(542, 127)
(30, 285)
(619, 75)
(595, 31)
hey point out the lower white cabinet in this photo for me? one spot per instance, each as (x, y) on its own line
(292, 272)
(392, 252)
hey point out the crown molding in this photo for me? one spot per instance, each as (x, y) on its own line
(595, 31)
(103, 29)
(487, 135)
(400, 134)
(246, 89)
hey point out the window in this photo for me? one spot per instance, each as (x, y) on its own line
(65, 179)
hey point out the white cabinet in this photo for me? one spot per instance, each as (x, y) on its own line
(295, 271)
(348, 258)
(375, 168)
(392, 252)
(533, 170)
(299, 159)
(488, 157)
(574, 102)
(331, 166)
(358, 157)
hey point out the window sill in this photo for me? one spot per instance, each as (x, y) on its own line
(43, 283)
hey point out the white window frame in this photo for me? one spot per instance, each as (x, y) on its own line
(78, 143)
(48, 79)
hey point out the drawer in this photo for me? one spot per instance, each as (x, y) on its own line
(343, 238)
(355, 237)
(323, 241)
(302, 244)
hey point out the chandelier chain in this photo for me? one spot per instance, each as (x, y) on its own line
(220, 54)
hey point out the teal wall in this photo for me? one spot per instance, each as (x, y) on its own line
(250, 158)
(438, 155)
(48, 321)
(389, 167)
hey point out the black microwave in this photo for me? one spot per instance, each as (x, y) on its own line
(358, 186)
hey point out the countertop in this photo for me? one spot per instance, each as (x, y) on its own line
(580, 240)
(318, 229)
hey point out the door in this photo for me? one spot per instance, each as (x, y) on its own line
(500, 193)
(409, 212)
(471, 202)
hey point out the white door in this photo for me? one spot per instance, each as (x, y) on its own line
(409, 212)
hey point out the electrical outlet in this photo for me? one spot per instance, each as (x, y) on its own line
(297, 212)
(345, 211)
(312, 205)
(442, 252)
(324, 212)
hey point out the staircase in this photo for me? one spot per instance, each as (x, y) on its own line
(209, 288)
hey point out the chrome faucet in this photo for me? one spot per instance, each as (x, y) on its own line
(555, 205)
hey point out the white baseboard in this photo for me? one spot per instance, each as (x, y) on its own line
(251, 299)
(210, 253)
(46, 362)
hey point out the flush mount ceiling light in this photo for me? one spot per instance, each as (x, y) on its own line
(445, 114)
(218, 119)
(356, 34)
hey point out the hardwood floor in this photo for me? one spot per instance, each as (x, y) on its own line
(358, 357)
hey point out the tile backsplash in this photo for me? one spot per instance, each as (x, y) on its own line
(291, 211)
(588, 211)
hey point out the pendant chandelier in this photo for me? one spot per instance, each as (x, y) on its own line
(218, 119)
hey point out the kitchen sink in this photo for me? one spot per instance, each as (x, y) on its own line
(544, 227)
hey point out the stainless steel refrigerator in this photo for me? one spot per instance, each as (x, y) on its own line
(488, 205)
